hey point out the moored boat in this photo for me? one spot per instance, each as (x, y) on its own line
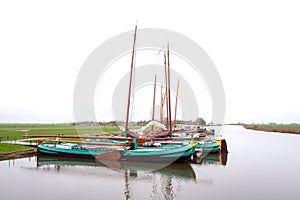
(74, 150)
(170, 153)
(210, 146)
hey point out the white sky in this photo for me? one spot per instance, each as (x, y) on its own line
(255, 46)
(143, 96)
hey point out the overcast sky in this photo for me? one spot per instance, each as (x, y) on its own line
(255, 45)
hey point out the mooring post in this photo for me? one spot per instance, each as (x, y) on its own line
(135, 143)
(224, 146)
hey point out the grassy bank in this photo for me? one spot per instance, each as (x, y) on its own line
(11, 151)
(17, 131)
(282, 128)
(8, 148)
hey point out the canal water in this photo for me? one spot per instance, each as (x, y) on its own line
(259, 165)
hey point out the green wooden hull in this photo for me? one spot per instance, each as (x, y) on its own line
(172, 153)
(72, 150)
(209, 147)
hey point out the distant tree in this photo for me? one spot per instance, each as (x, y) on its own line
(200, 121)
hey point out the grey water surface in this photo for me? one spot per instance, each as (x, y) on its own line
(259, 165)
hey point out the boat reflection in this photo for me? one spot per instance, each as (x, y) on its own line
(178, 170)
(43, 160)
(211, 159)
(162, 178)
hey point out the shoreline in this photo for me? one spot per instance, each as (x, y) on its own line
(271, 129)
(18, 154)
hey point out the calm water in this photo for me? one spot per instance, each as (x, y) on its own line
(259, 166)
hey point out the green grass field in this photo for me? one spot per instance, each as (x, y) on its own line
(7, 148)
(17, 131)
(280, 126)
(284, 128)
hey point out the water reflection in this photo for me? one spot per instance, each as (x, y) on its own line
(166, 182)
(211, 159)
(178, 170)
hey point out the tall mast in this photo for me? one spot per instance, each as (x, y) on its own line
(167, 101)
(169, 91)
(161, 104)
(153, 106)
(131, 69)
(176, 105)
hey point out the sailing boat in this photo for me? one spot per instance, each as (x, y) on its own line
(161, 133)
(169, 153)
(127, 132)
(164, 134)
(168, 132)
